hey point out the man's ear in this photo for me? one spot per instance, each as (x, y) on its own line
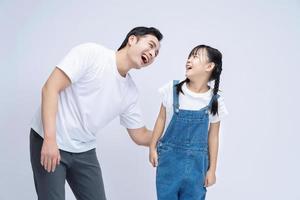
(210, 66)
(132, 40)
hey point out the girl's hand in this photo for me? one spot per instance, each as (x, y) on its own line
(153, 157)
(210, 178)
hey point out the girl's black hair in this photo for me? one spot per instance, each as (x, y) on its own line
(215, 56)
(141, 31)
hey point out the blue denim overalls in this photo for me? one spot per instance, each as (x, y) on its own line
(183, 154)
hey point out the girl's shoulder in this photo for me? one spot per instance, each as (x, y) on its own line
(166, 93)
(166, 87)
(219, 95)
(169, 85)
(221, 103)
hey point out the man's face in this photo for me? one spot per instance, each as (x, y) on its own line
(143, 50)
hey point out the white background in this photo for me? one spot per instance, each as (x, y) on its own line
(259, 150)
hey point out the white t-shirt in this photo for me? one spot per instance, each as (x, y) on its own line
(97, 95)
(190, 101)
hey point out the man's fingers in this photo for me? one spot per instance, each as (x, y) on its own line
(42, 159)
(49, 164)
(45, 163)
(58, 159)
(53, 166)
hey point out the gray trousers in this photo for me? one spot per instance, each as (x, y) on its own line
(81, 170)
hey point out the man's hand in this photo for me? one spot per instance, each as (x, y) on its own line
(50, 156)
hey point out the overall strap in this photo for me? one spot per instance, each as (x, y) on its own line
(175, 97)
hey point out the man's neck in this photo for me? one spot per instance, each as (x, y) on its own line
(123, 63)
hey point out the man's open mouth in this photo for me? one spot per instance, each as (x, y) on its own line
(145, 59)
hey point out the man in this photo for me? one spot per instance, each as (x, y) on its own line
(87, 89)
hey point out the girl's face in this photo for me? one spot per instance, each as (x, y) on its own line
(198, 64)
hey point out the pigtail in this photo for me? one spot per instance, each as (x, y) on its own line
(179, 85)
(214, 105)
(216, 77)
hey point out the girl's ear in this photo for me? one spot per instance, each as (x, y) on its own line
(132, 40)
(210, 66)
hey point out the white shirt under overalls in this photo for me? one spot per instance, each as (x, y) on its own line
(190, 101)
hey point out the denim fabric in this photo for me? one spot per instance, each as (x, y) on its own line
(183, 154)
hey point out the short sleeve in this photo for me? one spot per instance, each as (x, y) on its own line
(166, 94)
(222, 111)
(77, 61)
(132, 116)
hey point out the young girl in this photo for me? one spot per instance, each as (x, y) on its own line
(186, 155)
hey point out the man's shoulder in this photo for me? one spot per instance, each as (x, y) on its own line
(92, 46)
(89, 47)
(98, 53)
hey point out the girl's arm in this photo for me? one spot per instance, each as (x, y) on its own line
(157, 132)
(213, 146)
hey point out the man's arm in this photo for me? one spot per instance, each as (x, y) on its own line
(56, 82)
(141, 136)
